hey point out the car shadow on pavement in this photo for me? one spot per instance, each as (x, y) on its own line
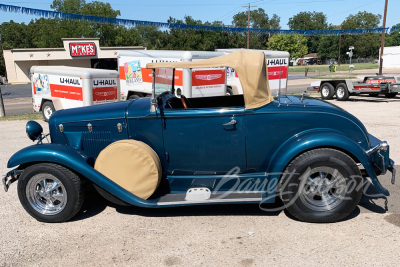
(95, 204)
(371, 201)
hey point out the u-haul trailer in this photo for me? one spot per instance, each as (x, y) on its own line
(372, 85)
(60, 87)
(278, 67)
(136, 79)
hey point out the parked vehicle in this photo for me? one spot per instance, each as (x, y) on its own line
(136, 79)
(165, 151)
(60, 87)
(372, 85)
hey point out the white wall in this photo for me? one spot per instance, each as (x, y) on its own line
(391, 57)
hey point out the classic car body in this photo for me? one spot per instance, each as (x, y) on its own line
(218, 147)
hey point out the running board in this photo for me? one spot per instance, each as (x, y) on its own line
(180, 199)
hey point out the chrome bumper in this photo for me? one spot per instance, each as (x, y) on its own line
(10, 178)
(392, 169)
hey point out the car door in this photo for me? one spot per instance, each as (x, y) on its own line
(204, 141)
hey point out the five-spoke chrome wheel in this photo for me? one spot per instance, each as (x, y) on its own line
(46, 194)
(324, 189)
(50, 192)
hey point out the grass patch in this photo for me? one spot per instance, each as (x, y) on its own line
(323, 77)
(325, 68)
(23, 117)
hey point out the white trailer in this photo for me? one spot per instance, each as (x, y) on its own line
(60, 87)
(136, 79)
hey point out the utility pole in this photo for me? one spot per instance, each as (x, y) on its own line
(248, 24)
(340, 46)
(2, 111)
(383, 38)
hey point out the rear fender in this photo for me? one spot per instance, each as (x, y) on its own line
(319, 138)
(77, 161)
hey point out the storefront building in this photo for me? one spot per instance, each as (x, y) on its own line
(77, 52)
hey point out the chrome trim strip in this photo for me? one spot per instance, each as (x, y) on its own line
(210, 201)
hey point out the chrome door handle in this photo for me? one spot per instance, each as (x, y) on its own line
(232, 122)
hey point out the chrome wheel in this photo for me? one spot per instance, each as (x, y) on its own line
(324, 189)
(325, 91)
(46, 194)
(340, 92)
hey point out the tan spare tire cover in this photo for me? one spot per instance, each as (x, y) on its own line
(131, 164)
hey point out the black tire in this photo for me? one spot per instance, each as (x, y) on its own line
(373, 94)
(35, 200)
(303, 197)
(47, 110)
(229, 91)
(133, 97)
(391, 95)
(342, 93)
(327, 91)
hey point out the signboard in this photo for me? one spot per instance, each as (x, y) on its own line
(82, 49)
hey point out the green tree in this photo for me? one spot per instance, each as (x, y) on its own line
(258, 20)
(309, 21)
(296, 45)
(393, 39)
(366, 45)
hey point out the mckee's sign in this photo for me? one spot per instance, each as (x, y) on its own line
(82, 49)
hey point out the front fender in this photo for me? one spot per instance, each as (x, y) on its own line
(322, 138)
(77, 161)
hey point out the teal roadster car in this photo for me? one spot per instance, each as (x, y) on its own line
(166, 151)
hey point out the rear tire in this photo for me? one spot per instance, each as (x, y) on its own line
(391, 95)
(342, 93)
(229, 91)
(327, 91)
(321, 186)
(50, 192)
(47, 110)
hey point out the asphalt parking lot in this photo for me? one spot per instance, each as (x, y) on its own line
(237, 235)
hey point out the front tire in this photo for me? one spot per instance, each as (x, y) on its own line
(50, 193)
(342, 93)
(47, 110)
(327, 91)
(321, 186)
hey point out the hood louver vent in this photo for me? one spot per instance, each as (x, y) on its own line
(94, 142)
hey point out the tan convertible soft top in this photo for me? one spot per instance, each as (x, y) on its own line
(251, 67)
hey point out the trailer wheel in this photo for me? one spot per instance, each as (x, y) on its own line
(47, 110)
(391, 95)
(327, 91)
(342, 94)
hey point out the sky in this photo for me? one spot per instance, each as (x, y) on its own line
(212, 10)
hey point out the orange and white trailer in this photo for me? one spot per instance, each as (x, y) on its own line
(136, 79)
(60, 87)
